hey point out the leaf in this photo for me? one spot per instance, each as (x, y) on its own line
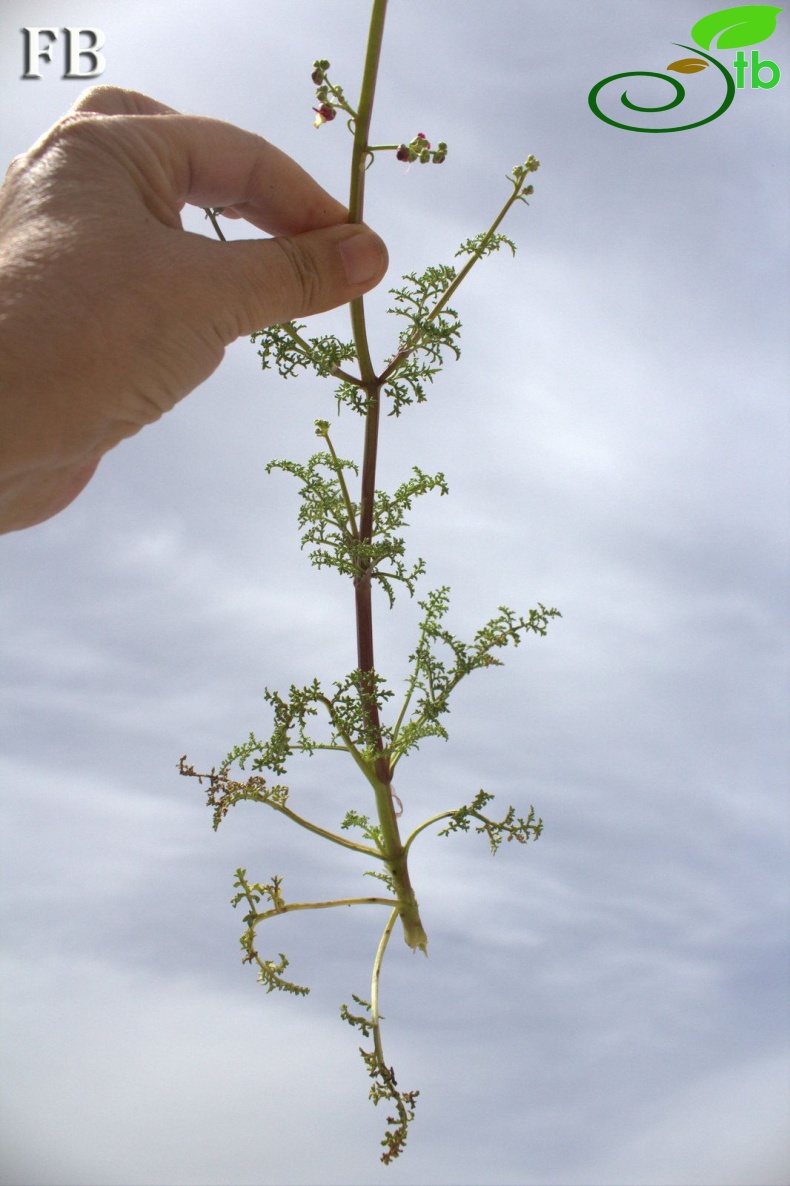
(688, 65)
(747, 24)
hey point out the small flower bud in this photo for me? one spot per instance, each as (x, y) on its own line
(403, 153)
(317, 76)
(438, 157)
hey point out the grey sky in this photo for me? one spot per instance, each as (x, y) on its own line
(610, 1004)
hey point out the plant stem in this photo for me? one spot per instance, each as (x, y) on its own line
(319, 831)
(287, 907)
(414, 340)
(356, 201)
(392, 850)
(434, 819)
(213, 220)
(352, 519)
(356, 204)
(374, 985)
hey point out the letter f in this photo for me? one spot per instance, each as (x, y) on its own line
(34, 49)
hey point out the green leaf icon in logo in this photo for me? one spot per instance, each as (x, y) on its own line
(745, 25)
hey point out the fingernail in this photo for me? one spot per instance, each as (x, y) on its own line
(364, 257)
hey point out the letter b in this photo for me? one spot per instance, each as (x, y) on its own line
(74, 53)
(757, 66)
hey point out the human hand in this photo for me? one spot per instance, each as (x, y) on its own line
(110, 312)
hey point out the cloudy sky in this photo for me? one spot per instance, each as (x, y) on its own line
(609, 1005)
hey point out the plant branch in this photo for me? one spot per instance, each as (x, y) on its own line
(478, 253)
(327, 835)
(352, 519)
(338, 372)
(287, 907)
(374, 983)
(434, 819)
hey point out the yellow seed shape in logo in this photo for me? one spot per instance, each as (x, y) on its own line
(688, 65)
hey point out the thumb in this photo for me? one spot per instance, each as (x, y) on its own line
(256, 283)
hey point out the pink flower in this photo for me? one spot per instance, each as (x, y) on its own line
(323, 115)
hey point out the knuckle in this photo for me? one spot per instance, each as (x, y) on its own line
(74, 131)
(15, 166)
(303, 271)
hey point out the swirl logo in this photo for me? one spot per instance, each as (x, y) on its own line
(729, 28)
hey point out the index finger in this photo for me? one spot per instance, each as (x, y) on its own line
(212, 163)
(119, 100)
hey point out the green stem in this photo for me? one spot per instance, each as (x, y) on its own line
(374, 985)
(286, 908)
(352, 519)
(434, 819)
(304, 823)
(407, 701)
(366, 97)
(339, 99)
(356, 203)
(213, 219)
(380, 776)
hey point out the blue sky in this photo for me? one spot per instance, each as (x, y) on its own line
(608, 1005)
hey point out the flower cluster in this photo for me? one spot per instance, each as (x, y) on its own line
(419, 149)
(329, 97)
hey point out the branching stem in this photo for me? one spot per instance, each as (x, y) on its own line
(360, 539)
(414, 339)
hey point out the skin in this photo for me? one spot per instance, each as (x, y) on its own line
(110, 312)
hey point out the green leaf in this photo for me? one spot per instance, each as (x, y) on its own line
(420, 356)
(270, 974)
(473, 246)
(224, 792)
(370, 831)
(441, 660)
(329, 520)
(512, 827)
(731, 28)
(283, 347)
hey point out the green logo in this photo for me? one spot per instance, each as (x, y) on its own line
(729, 28)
